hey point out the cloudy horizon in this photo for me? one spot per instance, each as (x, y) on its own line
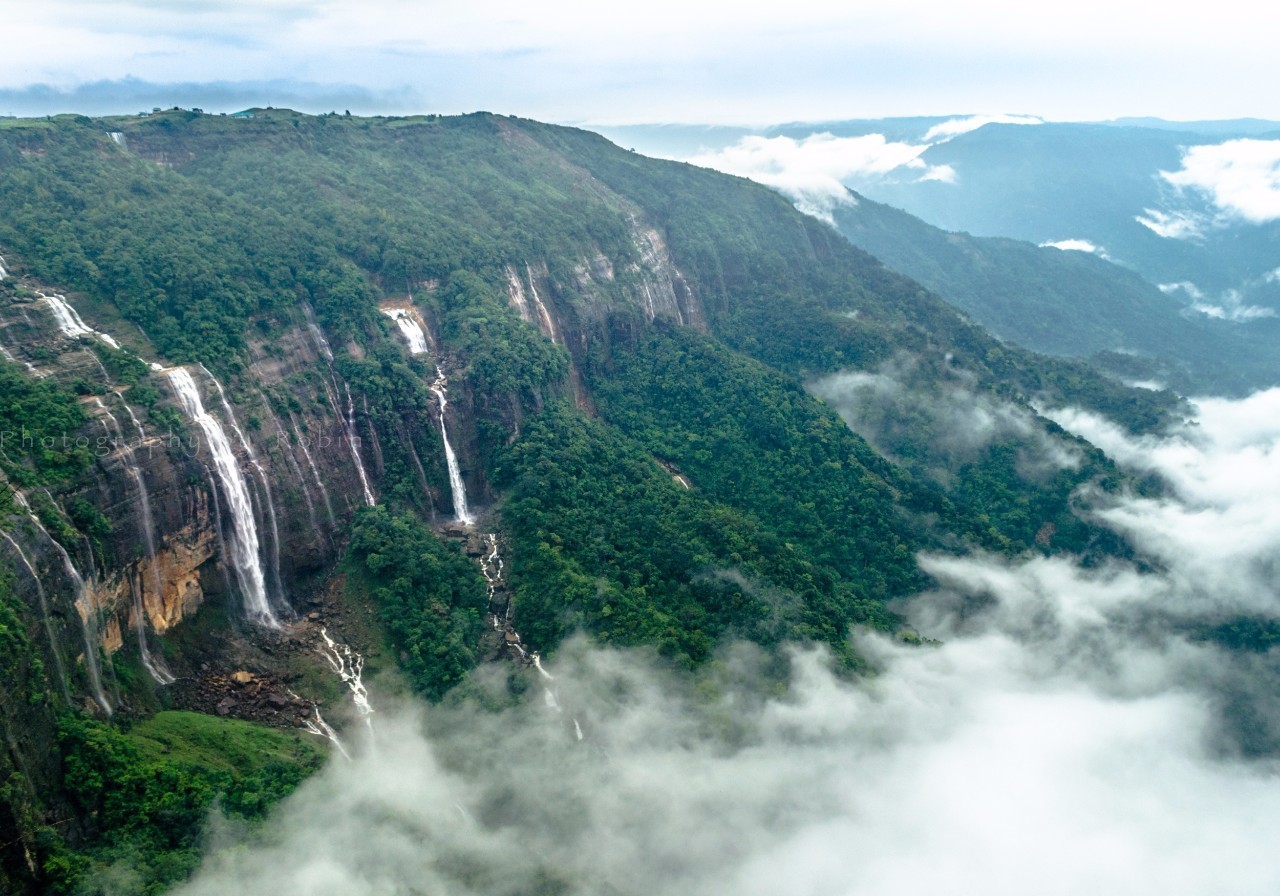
(659, 62)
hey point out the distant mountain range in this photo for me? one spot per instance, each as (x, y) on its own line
(1191, 207)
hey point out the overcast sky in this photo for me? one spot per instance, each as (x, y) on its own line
(658, 61)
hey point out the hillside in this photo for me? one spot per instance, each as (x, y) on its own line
(1069, 303)
(295, 393)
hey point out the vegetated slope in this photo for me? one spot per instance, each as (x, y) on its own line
(625, 344)
(1067, 303)
(1099, 182)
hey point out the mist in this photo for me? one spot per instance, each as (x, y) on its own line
(1071, 733)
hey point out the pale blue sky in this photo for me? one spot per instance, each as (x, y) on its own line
(660, 60)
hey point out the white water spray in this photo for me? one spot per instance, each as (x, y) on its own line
(116, 137)
(3, 273)
(244, 552)
(410, 329)
(456, 485)
(70, 322)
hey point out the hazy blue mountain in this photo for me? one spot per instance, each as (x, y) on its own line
(1071, 303)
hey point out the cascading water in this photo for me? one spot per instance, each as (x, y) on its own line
(349, 666)
(244, 552)
(321, 728)
(291, 459)
(54, 648)
(458, 487)
(262, 476)
(315, 472)
(87, 606)
(355, 449)
(348, 421)
(410, 329)
(3, 273)
(154, 666)
(491, 566)
(70, 323)
(542, 309)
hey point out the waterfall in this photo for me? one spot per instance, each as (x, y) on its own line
(491, 566)
(348, 422)
(244, 547)
(3, 272)
(282, 439)
(315, 472)
(355, 449)
(70, 323)
(322, 344)
(349, 666)
(88, 620)
(154, 667)
(410, 329)
(542, 309)
(86, 608)
(323, 729)
(270, 513)
(44, 615)
(459, 488)
(117, 138)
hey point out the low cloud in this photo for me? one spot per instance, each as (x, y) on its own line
(812, 171)
(1218, 529)
(1240, 177)
(940, 133)
(1178, 225)
(955, 422)
(1185, 286)
(1065, 735)
(1076, 245)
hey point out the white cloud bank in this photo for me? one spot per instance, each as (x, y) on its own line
(1240, 177)
(940, 133)
(811, 171)
(1066, 737)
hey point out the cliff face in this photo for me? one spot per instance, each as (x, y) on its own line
(272, 324)
(307, 445)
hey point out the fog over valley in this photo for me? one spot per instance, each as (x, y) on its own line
(1074, 730)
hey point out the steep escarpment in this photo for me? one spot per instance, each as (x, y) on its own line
(278, 378)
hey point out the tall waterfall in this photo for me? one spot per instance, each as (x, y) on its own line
(355, 449)
(86, 607)
(456, 485)
(315, 472)
(270, 509)
(348, 421)
(70, 323)
(244, 549)
(54, 649)
(3, 272)
(154, 667)
(409, 328)
(547, 320)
